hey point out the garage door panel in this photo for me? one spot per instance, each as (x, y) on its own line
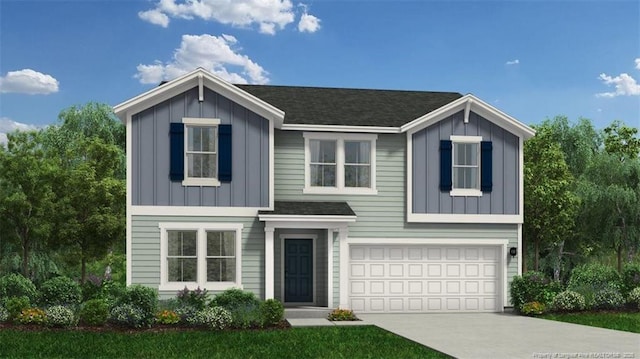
(423, 278)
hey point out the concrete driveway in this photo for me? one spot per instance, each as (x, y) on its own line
(503, 335)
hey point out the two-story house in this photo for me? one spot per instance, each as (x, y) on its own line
(374, 200)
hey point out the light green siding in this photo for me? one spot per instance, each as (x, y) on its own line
(145, 250)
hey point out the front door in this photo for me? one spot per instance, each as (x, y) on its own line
(298, 270)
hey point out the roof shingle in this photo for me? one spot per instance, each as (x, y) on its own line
(310, 208)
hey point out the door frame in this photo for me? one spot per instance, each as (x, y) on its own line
(313, 238)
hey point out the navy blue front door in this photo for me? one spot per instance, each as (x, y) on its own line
(298, 270)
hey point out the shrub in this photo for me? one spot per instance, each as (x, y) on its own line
(91, 288)
(533, 308)
(4, 314)
(112, 291)
(15, 306)
(186, 313)
(533, 287)
(272, 312)
(32, 316)
(128, 315)
(591, 278)
(167, 317)
(634, 297)
(233, 298)
(60, 291)
(569, 301)
(143, 298)
(246, 316)
(94, 312)
(212, 317)
(60, 316)
(342, 315)
(608, 298)
(15, 285)
(630, 277)
(198, 298)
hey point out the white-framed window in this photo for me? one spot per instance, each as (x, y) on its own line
(200, 151)
(340, 163)
(465, 169)
(205, 255)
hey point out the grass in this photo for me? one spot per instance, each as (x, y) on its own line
(628, 322)
(324, 342)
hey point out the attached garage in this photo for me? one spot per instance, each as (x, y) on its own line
(426, 278)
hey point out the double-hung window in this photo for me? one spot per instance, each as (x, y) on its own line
(340, 163)
(205, 255)
(467, 159)
(201, 151)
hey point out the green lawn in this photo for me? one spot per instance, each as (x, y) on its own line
(628, 322)
(324, 342)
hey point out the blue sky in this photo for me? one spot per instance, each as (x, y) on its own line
(531, 59)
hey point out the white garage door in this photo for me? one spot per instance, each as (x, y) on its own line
(419, 278)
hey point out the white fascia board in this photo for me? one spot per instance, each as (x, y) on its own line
(306, 218)
(428, 241)
(196, 211)
(475, 105)
(464, 218)
(190, 80)
(338, 128)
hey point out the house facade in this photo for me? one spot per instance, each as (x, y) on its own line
(373, 200)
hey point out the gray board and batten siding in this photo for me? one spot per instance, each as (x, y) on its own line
(249, 186)
(427, 196)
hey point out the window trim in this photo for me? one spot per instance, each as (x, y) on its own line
(466, 192)
(340, 187)
(199, 122)
(201, 229)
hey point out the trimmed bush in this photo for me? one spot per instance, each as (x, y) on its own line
(197, 298)
(246, 316)
(94, 312)
(608, 298)
(16, 285)
(533, 308)
(568, 301)
(216, 318)
(60, 291)
(272, 312)
(533, 287)
(589, 279)
(15, 306)
(234, 298)
(128, 315)
(630, 277)
(4, 314)
(634, 297)
(60, 316)
(32, 316)
(143, 298)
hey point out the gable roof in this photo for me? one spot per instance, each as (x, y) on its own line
(350, 107)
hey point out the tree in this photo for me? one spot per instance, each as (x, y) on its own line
(621, 140)
(549, 204)
(27, 198)
(579, 142)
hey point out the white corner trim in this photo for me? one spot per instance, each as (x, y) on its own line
(464, 218)
(409, 166)
(272, 166)
(195, 211)
(519, 271)
(129, 198)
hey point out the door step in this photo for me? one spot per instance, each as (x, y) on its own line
(306, 312)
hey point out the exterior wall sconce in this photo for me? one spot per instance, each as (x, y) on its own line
(513, 251)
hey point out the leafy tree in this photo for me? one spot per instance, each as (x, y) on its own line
(549, 204)
(27, 198)
(579, 142)
(621, 140)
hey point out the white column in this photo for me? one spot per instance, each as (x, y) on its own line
(268, 263)
(344, 268)
(330, 268)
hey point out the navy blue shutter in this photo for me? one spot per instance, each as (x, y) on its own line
(224, 153)
(445, 165)
(486, 166)
(176, 157)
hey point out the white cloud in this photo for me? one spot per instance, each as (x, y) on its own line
(308, 23)
(28, 81)
(638, 63)
(214, 53)
(7, 125)
(268, 15)
(513, 62)
(625, 85)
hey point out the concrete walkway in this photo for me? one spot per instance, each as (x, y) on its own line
(497, 335)
(321, 322)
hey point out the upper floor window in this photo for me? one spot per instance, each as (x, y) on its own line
(466, 166)
(201, 151)
(339, 163)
